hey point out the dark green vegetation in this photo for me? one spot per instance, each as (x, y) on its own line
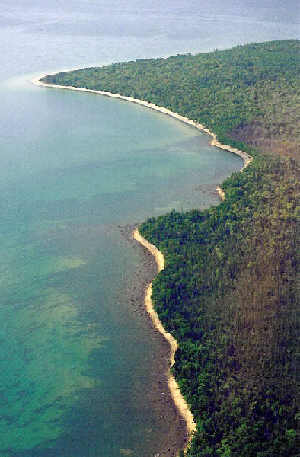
(228, 293)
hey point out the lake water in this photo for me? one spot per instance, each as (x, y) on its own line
(75, 360)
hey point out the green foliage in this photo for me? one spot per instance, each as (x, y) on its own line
(228, 293)
(236, 93)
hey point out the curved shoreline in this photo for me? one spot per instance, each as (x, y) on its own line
(214, 142)
(177, 397)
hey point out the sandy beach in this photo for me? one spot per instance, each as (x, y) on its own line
(221, 193)
(177, 397)
(176, 435)
(214, 142)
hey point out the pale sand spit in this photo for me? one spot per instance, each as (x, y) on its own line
(177, 397)
(221, 193)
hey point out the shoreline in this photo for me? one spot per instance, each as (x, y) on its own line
(221, 193)
(214, 142)
(176, 395)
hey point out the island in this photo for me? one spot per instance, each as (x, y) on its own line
(228, 290)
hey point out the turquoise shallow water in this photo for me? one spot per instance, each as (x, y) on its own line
(75, 359)
(74, 363)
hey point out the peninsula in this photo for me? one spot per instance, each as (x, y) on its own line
(228, 292)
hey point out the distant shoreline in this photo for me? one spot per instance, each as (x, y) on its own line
(214, 142)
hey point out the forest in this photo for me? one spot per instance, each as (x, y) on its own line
(229, 293)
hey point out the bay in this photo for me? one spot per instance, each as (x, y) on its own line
(76, 359)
